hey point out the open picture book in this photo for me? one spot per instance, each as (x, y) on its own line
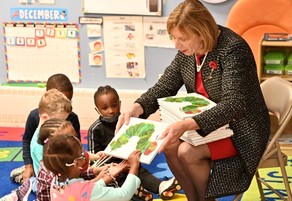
(180, 107)
(139, 134)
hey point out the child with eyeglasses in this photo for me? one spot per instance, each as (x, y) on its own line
(53, 127)
(65, 157)
(42, 182)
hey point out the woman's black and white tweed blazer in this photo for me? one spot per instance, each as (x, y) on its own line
(235, 88)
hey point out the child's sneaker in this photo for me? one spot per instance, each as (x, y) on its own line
(142, 194)
(16, 175)
(10, 197)
(18, 179)
(167, 189)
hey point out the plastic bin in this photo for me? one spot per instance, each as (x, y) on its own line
(274, 69)
(274, 57)
(288, 69)
(289, 59)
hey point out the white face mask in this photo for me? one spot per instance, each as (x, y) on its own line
(112, 119)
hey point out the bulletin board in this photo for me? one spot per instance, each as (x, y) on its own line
(35, 51)
(123, 7)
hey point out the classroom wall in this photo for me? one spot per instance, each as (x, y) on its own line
(17, 102)
(92, 77)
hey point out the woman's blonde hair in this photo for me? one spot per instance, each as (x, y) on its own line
(192, 17)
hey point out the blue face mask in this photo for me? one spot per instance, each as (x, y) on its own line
(112, 119)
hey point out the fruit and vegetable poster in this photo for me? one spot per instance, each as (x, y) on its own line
(124, 49)
(139, 134)
(35, 51)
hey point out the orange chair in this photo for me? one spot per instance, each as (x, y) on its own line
(252, 18)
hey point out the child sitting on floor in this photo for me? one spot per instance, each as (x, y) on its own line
(63, 84)
(50, 127)
(100, 134)
(53, 104)
(66, 158)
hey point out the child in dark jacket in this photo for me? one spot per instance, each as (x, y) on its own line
(100, 134)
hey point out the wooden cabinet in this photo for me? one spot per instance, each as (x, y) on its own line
(266, 46)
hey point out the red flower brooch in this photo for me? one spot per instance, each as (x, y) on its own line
(213, 65)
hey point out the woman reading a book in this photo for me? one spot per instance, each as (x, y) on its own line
(217, 63)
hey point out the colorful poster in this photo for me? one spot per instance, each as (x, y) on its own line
(35, 51)
(155, 32)
(93, 30)
(96, 46)
(95, 59)
(124, 48)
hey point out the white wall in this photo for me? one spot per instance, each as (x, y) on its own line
(17, 102)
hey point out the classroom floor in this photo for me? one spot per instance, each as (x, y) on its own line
(287, 149)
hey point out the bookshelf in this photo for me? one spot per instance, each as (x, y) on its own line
(266, 46)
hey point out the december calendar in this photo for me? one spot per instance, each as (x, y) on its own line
(35, 51)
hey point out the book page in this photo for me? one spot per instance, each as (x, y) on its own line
(185, 106)
(139, 134)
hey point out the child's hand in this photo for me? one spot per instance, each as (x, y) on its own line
(98, 170)
(28, 172)
(134, 158)
(98, 156)
(115, 169)
(102, 172)
(133, 161)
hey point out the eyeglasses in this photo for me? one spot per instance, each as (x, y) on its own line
(84, 155)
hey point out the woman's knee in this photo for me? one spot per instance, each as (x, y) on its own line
(188, 152)
(171, 149)
(185, 151)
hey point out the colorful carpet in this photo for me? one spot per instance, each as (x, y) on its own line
(274, 178)
(11, 158)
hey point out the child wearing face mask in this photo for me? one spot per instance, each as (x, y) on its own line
(65, 157)
(100, 134)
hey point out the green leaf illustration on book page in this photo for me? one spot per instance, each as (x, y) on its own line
(193, 107)
(142, 130)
